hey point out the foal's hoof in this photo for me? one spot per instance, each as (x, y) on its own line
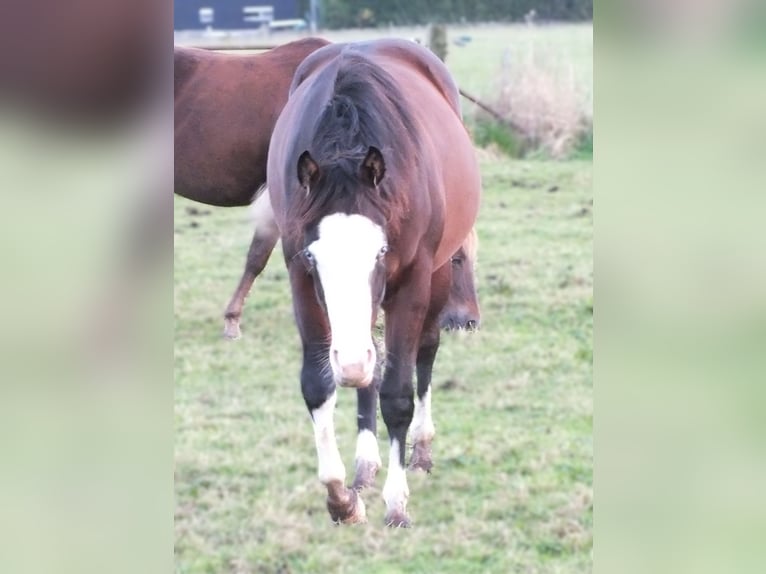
(231, 329)
(397, 519)
(366, 470)
(421, 457)
(349, 509)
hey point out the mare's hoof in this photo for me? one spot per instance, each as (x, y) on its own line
(421, 457)
(349, 510)
(397, 519)
(366, 471)
(231, 329)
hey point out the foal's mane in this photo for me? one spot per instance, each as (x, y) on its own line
(366, 108)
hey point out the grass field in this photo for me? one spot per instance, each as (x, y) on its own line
(512, 486)
(511, 489)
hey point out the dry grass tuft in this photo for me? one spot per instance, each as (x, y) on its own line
(546, 106)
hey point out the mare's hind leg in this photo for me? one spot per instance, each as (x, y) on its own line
(422, 428)
(368, 461)
(264, 239)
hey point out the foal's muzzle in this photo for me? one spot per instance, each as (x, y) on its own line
(353, 368)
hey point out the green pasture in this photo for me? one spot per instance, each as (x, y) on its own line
(511, 489)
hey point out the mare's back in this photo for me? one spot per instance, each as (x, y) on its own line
(226, 106)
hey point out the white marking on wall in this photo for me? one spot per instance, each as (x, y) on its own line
(422, 427)
(395, 491)
(367, 448)
(330, 463)
(346, 252)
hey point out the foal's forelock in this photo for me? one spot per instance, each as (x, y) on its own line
(365, 108)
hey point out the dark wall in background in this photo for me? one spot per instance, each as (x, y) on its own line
(349, 13)
(228, 13)
(354, 13)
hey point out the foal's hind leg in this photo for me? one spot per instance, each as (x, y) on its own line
(368, 461)
(422, 428)
(264, 239)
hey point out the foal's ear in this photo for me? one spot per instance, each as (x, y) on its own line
(373, 167)
(308, 170)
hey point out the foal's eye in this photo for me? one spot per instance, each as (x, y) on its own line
(309, 257)
(457, 261)
(382, 252)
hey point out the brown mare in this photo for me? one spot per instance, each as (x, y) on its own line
(226, 106)
(374, 186)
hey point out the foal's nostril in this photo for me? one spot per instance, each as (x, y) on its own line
(355, 365)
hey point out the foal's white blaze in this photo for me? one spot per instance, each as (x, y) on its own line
(395, 491)
(367, 448)
(330, 464)
(346, 252)
(422, 426)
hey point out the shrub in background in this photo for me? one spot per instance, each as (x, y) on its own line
(489, 133)
(547, 114)
(547, 108)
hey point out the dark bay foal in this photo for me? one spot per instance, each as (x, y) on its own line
(374, 186)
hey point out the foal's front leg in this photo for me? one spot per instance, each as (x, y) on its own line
(319, 393)
(345, 505)
(405, 313)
